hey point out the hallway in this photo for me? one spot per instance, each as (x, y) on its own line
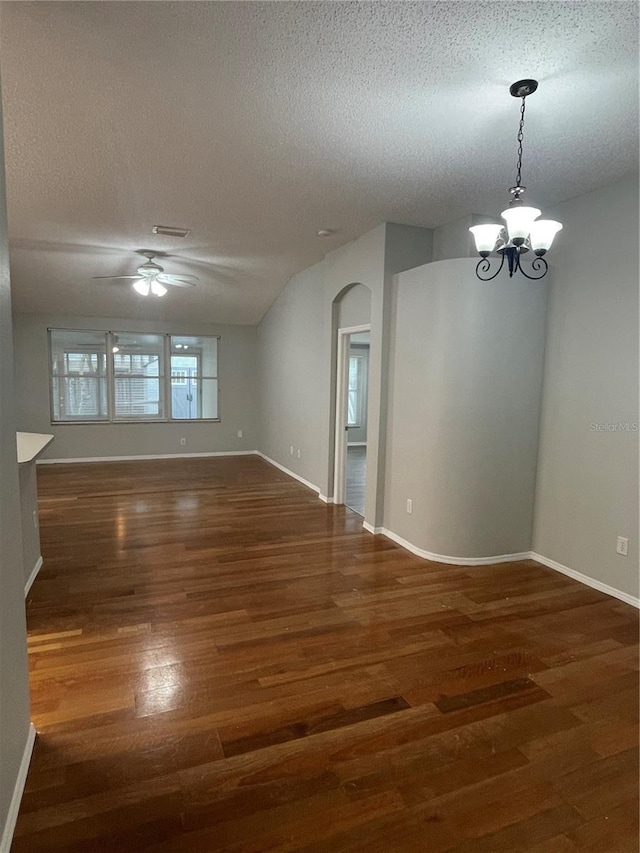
(356, 478)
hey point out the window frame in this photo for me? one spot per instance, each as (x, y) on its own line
(110, 376)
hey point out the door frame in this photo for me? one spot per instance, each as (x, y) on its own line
(342, 385)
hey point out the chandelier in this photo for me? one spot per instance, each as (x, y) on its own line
(523, 232)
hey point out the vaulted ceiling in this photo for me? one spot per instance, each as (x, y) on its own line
(256, 124)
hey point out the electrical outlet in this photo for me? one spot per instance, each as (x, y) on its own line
(239, 433)
(35, 518)
(291, 450)
(183, 441)
(623, 546)
(298, 453)
(409, 506)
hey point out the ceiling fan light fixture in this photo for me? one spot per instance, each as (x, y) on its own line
(150, 278)
(142, 286)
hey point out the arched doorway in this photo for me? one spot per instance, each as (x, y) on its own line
(352, 330)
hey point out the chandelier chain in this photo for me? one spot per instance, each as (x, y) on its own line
(520, 138)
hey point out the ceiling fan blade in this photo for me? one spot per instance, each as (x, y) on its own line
(114, 277)
(182, 276)
(176, 281)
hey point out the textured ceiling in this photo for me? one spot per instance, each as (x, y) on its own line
(255, 124)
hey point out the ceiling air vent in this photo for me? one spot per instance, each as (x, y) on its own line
(170, 231)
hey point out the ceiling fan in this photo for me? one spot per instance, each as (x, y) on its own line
(151, 279)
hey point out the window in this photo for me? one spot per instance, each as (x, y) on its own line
(128, 376)
(194, 378)
(356, 391)
(138, 370)
(78, 376)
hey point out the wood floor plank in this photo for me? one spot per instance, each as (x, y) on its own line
(220, 663)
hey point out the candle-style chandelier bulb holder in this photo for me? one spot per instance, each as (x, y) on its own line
(523, 231)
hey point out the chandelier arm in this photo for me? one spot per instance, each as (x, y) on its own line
(484, 265)
(536, 264)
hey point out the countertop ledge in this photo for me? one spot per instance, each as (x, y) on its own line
(31, 445)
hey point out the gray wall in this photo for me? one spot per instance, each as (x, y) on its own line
(359, 262)
(453, 240)
(406, 247)
(14, 687)
(29, 506)
(587, 486)
(238, 394)
(466, 374)
(297, 350)
(297, 342)
(293, 393)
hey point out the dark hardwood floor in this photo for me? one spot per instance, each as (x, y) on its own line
(221, 662)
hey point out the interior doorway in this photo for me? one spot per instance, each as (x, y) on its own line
(351, 417)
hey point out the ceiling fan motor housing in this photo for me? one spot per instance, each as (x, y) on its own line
(149, 269)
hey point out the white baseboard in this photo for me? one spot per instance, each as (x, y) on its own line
(585, 579)
(289, 472)
(325, 499)
(32, 576)
(444, 558)
(146, 456)
(14, 805)
(455, 561)
(506, 558)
